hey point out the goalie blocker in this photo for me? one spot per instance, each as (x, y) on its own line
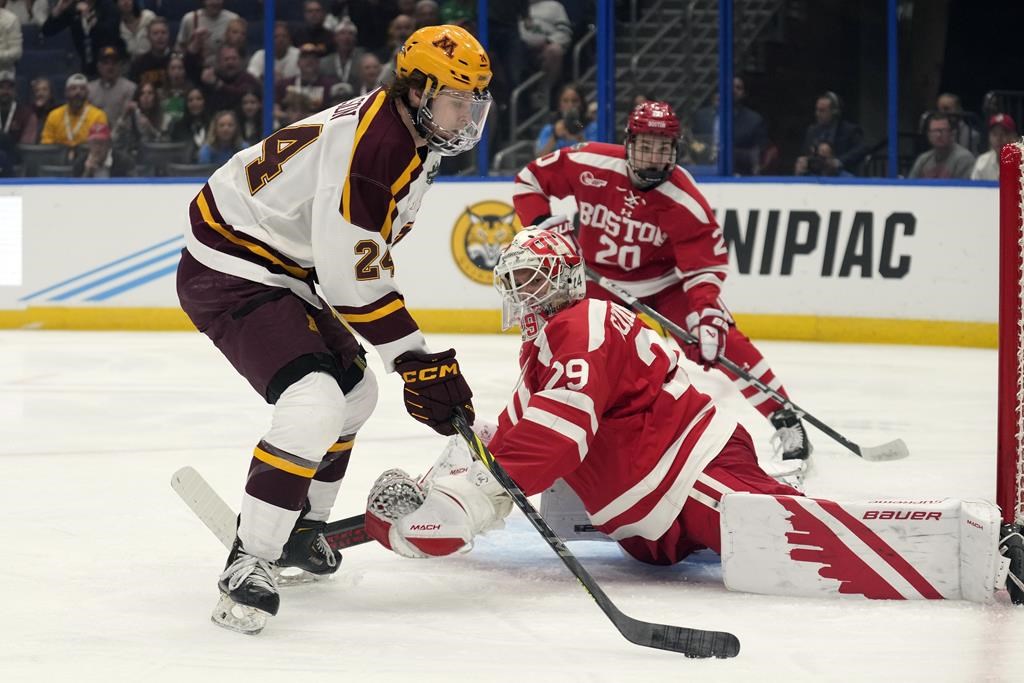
(770, 544)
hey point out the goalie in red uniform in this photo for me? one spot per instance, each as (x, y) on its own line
(603, 403)
(644, 225)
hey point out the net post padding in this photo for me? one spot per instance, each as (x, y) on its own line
(1010, 445)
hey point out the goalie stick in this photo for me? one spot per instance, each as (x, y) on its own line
(688, 641)
(219, 518)
(891, 450)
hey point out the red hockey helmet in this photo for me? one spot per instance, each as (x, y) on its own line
(652, 142)
(538, 274)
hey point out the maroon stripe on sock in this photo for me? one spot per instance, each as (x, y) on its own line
(277, 487)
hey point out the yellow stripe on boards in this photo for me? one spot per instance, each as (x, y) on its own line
(204, 211)
(448, 321)
(283, 465)
(381, 312)
(364, 123)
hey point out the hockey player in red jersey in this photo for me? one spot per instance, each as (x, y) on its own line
(289, 249)
(603, 403)
(644, 224)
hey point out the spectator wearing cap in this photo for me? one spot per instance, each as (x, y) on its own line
(94, 24)
(110, 91)
(30, 12)
(313, 30)
(202, 30)
(310, 82)
(151, 66)
(69, 124)
(134, 26)
(343, 64)
(1002, 130)
(224, 85)
(286, 55)
(99, 161)
(18, 123)
(223, 139)
(946, 158)
(10, 38)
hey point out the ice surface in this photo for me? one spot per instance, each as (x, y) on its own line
(109, 577)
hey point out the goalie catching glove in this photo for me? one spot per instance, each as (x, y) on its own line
(710, 328)
(434, 387)
(440, 513)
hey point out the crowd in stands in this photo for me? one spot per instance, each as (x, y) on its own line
(141, 87)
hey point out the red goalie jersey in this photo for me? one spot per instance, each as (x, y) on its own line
(595, 363)
(646, 240)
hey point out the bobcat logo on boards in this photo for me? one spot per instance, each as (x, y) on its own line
(479, 235)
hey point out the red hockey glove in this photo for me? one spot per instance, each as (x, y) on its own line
(710, 328)
(434, 387)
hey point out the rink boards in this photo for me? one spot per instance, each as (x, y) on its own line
(809, 261)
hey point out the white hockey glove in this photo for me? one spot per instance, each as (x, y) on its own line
(561, 224)
(441, 512)
(710, 328)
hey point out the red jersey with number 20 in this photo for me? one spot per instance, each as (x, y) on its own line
(645, 240)
(603, 404)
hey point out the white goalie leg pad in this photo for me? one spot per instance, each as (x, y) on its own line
(881, 549)
(563, 510)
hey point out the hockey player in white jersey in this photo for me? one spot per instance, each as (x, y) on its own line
(322, 203)
(604, 404)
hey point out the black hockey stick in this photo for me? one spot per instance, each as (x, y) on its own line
(892, 450)
(688, 641)
(345, 533)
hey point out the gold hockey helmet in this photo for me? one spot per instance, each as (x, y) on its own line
(455, 102)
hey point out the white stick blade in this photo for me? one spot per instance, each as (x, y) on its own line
(894, 450)
(209, 507)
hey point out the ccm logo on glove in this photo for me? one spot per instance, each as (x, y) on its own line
(434, 387)
(426, 374)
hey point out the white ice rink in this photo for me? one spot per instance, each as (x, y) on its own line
(107, 576)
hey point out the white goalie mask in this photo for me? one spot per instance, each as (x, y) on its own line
(538, 274)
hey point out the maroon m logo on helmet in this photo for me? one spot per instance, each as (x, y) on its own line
(446, 45)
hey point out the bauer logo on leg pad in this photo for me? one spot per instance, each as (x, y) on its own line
(791, 545)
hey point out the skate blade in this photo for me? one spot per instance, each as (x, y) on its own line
(293, 576)
(789, 472)
(240, 618)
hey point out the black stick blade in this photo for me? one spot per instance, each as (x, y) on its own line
(693, 643)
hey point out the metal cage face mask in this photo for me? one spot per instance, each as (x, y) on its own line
(649, 159)
(453, 120)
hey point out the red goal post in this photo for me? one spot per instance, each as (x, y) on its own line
(1010, 446)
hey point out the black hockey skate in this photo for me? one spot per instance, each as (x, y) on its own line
(790, 435)
(1011, 546)
(308, 551)
(248, 592)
